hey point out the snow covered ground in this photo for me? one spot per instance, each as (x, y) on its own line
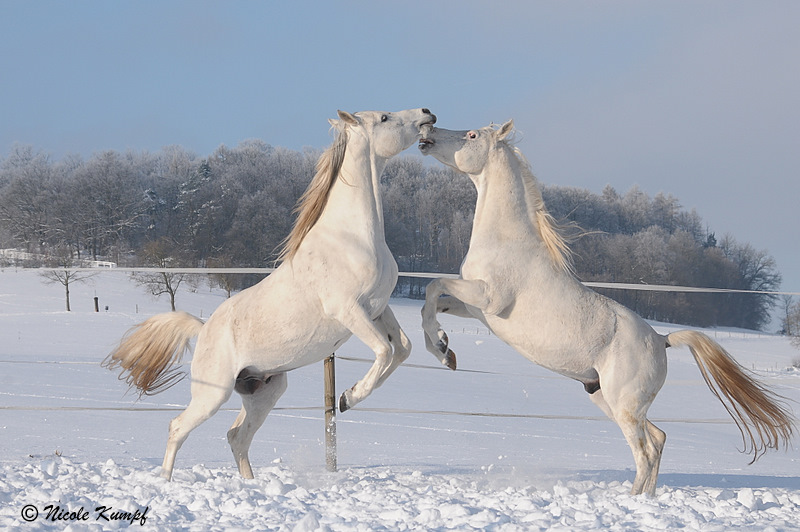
(500, 444)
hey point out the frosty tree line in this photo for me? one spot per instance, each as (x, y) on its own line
(234, 207)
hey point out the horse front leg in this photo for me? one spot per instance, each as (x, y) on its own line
(448, 305)
(461, 293)
(397, 337)
(452, 306)
(375, 336)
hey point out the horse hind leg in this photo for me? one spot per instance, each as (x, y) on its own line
(259, 395)
(207, 397)
(645, 440)
(658, 438)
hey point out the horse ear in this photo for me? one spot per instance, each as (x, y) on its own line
(347, 118)
(505, 130)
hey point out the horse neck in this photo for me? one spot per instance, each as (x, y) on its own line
(354, 199)
(501, 211)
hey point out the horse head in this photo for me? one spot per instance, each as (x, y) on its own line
(388, 133)
(465, 151)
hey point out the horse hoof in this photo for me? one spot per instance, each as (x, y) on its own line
(343, 406)
(450, 360)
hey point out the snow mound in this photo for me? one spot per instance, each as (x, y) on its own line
(376, 498)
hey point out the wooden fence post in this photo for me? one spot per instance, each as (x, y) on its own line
(330, 413)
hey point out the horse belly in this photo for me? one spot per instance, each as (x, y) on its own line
(562, 342)
(296, 341)
(273, 327)
(303, 353)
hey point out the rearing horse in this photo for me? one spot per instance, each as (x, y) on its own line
(517, 279)
(334, 281)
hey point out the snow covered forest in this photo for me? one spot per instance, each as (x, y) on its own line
(234, 207)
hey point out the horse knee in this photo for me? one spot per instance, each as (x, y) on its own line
(233, 432)
(176, 434)
(401, 355)
(233, 441)
(658, 436)
(383, 353)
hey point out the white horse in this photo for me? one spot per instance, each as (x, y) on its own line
(517, 279)
(334, 281)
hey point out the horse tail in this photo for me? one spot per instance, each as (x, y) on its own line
(761, 415)
(149, 351)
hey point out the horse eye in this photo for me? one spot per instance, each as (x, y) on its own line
(384, 118)
(472, 135)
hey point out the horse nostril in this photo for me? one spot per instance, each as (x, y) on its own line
(427, 111)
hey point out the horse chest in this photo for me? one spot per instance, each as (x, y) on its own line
(380, 289)
(377, 271)
(503, 262)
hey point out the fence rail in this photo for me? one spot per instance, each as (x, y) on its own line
(434, 275)
(720, 421)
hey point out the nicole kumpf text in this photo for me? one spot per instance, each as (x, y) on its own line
(101, 513)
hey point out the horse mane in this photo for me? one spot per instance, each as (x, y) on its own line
(311, 204)
(552, 233)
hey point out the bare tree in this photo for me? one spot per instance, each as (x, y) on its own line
(162, 253)
(62, 271)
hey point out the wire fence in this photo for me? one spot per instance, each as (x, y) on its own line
(434, 275)
(327, 408)
(322, 408)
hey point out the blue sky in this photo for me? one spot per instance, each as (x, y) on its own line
(694, 99)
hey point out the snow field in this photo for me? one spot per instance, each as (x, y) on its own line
(499, 445)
